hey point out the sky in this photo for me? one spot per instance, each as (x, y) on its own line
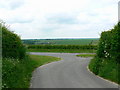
(43, 19)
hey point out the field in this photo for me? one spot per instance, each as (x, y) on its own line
(63, 48)
(84, 41)
(86, 45)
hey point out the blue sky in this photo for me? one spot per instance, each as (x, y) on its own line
(59, 18)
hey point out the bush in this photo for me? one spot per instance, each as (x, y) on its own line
(107, 60)
(105, 68)
(109, 45)
(95, 65)
(12, 46)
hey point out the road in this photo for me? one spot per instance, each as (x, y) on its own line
(70, 72)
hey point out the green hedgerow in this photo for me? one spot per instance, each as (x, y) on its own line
(11, 44)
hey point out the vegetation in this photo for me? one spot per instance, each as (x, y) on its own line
(106, 62)
(84, 41)
(17, 73)
(105, 68)
(0, 56)
(62, 48)
(17, 67)
(85, 55)
(11, 44)
(0, 72)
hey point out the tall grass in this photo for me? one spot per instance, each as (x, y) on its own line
(107, 69)
(17, 73)
(0, 72)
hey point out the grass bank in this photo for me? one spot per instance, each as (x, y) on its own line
(63, 50)
(85, 55)
(107, 69)
(17, 73)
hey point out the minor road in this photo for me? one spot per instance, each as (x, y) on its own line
(70, 72)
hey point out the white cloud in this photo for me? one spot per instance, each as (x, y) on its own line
(11, 4)
(59, 18)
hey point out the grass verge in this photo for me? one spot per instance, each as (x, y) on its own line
(85, 55)
(18, 73)
(0, 73)
(63, 50)
(106, 69)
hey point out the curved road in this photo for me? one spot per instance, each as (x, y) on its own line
(70, 72)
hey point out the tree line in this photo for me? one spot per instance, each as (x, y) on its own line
(62, 47)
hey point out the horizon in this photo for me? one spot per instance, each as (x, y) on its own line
(59, 38)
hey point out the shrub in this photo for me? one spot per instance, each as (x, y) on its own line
(109, 45)
(12, 46)
(107, 60)
(95, 65)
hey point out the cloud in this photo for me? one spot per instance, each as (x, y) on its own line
(20, 20)
(11, 4)
(59, 18)
(62, 19)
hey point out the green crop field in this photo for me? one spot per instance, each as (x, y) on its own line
(84, 41)
(61, 45)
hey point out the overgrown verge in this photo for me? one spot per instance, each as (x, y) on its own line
(106, 63)
(105, 68)
(17, 73)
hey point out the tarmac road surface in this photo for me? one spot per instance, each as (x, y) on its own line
(70, 72)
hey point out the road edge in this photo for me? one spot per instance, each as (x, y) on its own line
(40, 67)
(103, 78)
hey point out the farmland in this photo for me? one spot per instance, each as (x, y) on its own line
(63, 48)
(62, 45)
(17, 65)
(81, 41)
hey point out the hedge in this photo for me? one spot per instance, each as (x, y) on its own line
(62, 47)
(109, 45)
(12, 46)
(106, 63)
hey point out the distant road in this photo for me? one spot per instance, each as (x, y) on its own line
(70, 72)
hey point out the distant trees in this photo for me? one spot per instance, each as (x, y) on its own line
(62, 47)
(28, 42)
